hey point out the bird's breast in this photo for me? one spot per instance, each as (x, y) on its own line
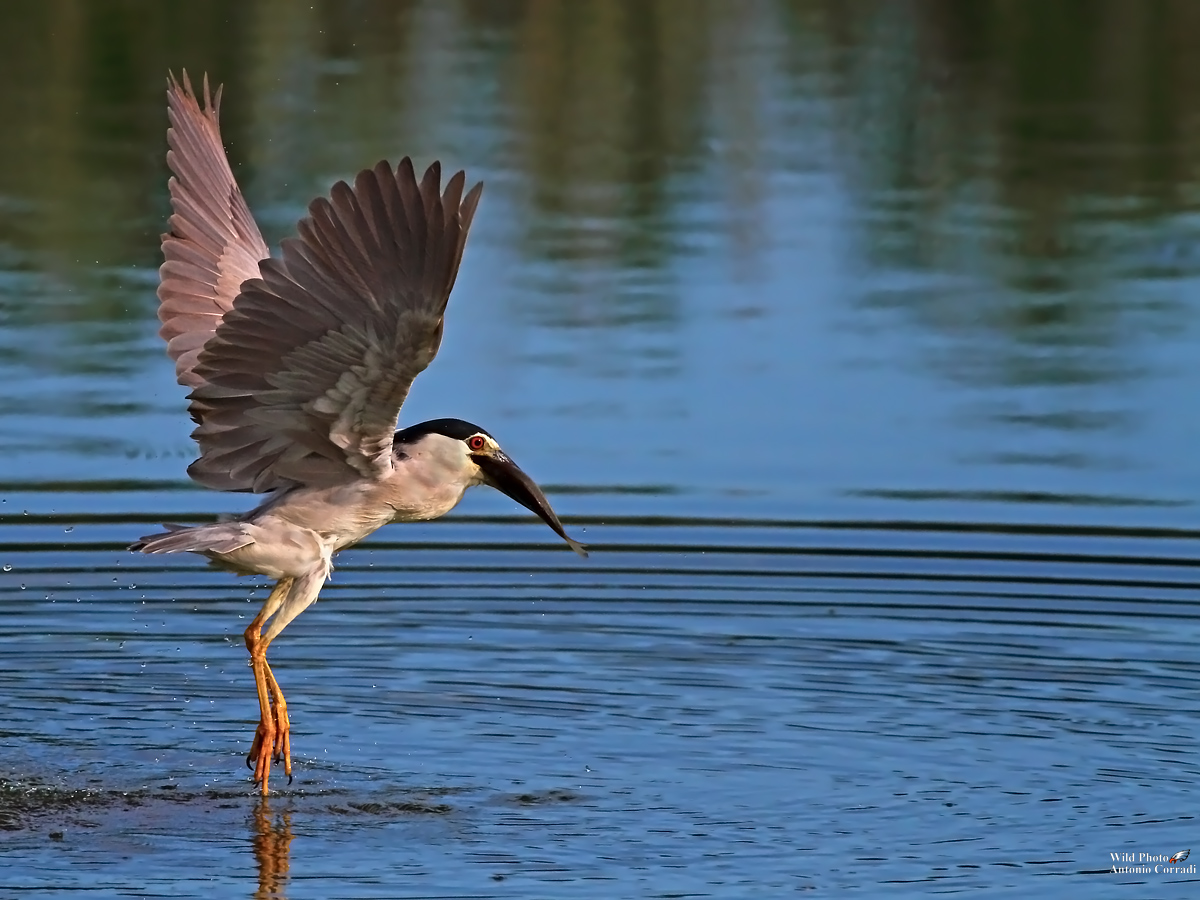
(341, 514)
(345, 514)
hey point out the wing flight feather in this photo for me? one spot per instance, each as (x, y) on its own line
(213, 244)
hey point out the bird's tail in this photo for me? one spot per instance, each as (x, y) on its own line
(219, 537)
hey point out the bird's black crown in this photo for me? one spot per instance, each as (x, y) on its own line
(451, 428)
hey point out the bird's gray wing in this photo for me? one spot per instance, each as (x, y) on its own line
(213, 244)
(304, 378)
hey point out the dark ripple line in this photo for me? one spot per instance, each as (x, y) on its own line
(599, 550)
(889, 609)
(806, 574)
(601, 568)
(649, 592)
(651, 521)
(738, 581)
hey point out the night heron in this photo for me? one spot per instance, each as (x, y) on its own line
(298, 366)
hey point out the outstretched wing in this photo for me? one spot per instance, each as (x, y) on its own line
(304, 378)
(213, 244)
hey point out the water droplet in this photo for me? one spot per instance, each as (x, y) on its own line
(22, 587)
(7, 567)
(68, 529)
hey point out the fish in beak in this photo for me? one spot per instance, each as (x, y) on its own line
(506, 476)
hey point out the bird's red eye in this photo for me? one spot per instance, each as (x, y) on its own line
(476, 442)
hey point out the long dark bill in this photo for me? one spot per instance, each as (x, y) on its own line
(504, 475)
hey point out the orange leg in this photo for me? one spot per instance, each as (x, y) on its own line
(272, 736)
(283, 725)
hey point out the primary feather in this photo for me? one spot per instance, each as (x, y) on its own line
(213, 244)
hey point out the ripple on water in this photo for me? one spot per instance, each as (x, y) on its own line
(839, 703)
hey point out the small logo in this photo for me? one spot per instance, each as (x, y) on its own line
(1180, 856)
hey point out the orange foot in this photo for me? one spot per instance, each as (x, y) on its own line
(272, 739)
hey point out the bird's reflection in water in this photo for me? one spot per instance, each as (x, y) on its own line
(272, 841)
